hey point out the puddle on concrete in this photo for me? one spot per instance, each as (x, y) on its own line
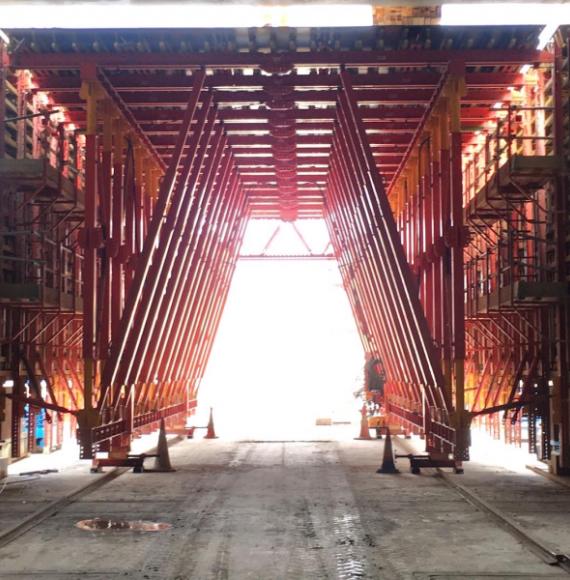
(100, 524)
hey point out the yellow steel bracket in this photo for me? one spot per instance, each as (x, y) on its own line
(118, 137)
(148, 182)
(91, 92)
(455, 90)
(108, 116)
(139, 165)
(443, 124)
(435, 131)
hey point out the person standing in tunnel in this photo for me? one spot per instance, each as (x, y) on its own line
(374, 375)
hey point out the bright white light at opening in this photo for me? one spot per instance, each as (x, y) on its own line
(4, 37)
(505, 13)
(8, 384)
(287, 351)
(165, 15)
(550, 15)
(547, 34)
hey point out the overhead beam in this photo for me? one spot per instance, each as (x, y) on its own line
(394, 117)
(401, 96)
(332, 58)
(160, 81)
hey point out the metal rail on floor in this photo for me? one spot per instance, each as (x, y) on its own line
(555, 478)
(37, 517)
(537, 547)
(56, 506)
(540, 549)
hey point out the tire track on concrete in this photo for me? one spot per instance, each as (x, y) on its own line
(354, 541)
(170, 557)
(333, 521)
(220, 567)
(350, 553)
(324, 539)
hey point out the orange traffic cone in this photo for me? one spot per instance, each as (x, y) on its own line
(211, 432)
(364, 428)
(388, 465)
(162, 459)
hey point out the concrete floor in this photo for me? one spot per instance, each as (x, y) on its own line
(287, 510)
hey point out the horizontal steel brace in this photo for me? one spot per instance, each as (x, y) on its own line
(109, 430)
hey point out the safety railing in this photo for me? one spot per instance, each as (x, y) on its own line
(492, 164)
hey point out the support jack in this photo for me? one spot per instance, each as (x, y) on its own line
(417, 462)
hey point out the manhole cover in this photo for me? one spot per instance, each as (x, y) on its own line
(99, 524)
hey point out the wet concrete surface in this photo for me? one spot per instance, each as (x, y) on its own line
(292, 510)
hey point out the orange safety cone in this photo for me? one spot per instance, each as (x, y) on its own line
(211, 432)
(364, 428)
(162, 459)
(388, 464)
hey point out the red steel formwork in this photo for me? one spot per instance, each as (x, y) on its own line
(174, 139)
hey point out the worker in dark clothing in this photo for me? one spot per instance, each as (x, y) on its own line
(374, 375)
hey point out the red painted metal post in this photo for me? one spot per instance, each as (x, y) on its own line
(392, 300)
(4, 61)
(216, 254)
(561, 461)
(117, 230)
(163, 262)
(202, 269)
(91, 241)
(457, 236)
(106, 200)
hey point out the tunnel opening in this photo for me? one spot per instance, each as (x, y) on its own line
(287, 353)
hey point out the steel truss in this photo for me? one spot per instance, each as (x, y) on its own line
(129, 172)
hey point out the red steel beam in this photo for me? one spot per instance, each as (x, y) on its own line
(420, 128)
(166, 193)
(365, 96)
(210, 250)
(220, 281)
(164, 256)
(363, 262)
(383, 118)
(166, 301)
(211, 199)
(160, 81)
(182, 265)
(330, 58)
(401, 276)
